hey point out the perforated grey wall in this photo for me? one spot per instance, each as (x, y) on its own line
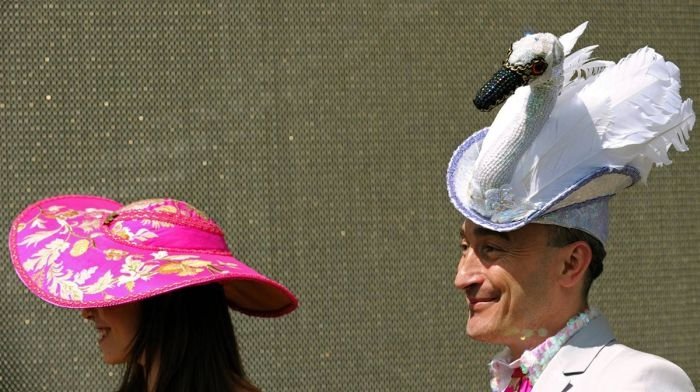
(317, 133)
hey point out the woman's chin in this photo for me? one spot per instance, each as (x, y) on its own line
(113, 360)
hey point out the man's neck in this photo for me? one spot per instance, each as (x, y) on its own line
(530, 339)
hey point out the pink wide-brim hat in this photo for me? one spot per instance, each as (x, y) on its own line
(82, 251)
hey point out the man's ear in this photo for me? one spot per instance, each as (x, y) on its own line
(576, 259)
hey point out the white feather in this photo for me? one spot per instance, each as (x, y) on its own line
(629, 113)
(575, 60)
(568, 40)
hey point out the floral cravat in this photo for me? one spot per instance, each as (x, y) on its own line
(532, 362)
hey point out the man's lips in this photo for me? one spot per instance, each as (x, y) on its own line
(477, 303)
(473, 301)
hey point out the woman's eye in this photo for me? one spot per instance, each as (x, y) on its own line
(464, 246)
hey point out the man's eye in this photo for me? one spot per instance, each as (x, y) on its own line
(486, 249)
(464, 246)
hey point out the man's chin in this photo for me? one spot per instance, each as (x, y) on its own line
(485, 332)
(479, 332)
(489, 337)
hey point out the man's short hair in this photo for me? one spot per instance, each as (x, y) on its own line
(561, 236)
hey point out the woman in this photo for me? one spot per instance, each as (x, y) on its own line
(155, 277)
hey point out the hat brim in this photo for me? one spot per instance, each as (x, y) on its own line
(61, 251)
(595, 183)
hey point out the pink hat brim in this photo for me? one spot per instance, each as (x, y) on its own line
(62, 251)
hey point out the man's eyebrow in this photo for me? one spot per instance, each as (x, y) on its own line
(486, 232)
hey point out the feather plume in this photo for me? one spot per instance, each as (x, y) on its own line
(629, 113)
(575, 60)
(568, 40)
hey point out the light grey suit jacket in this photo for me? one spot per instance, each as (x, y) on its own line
(593, 361)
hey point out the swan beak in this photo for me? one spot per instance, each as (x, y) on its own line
(501, 86)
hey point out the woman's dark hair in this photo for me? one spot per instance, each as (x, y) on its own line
(188, 335)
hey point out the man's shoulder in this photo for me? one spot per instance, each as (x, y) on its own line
(619, 355)
(593, 360)
(630, 369)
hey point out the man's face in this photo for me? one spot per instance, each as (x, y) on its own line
(509, 281)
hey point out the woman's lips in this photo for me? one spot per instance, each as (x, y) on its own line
(101, 334)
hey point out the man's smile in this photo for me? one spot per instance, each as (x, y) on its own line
(481, 302)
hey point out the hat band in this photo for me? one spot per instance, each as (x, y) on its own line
(165, 231)
(590, 216)
(175, 219)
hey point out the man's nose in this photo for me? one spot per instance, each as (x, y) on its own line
(469, 270)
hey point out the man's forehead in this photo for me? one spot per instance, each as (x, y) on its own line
(470, 228)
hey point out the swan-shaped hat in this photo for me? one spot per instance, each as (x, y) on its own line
(573, 131)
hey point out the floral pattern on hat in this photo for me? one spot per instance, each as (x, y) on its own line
(78, 229)
(82, 251)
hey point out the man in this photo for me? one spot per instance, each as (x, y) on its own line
(535, 189)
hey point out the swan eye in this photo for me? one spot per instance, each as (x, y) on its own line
(538, 67)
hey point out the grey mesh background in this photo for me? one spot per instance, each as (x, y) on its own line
(318, 135)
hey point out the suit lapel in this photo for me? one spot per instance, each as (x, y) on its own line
(552, 379)
(575, 357)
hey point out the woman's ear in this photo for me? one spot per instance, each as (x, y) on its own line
(576, 258)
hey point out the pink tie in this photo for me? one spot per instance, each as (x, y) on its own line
(522, 383)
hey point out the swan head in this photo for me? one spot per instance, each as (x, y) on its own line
(533, 60)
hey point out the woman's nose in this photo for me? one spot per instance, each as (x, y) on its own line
(87, 314)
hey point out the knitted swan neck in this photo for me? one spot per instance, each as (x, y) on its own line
(498, 160)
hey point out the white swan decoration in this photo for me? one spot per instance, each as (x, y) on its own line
(574, 130)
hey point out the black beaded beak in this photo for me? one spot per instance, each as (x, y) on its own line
(501, 86)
